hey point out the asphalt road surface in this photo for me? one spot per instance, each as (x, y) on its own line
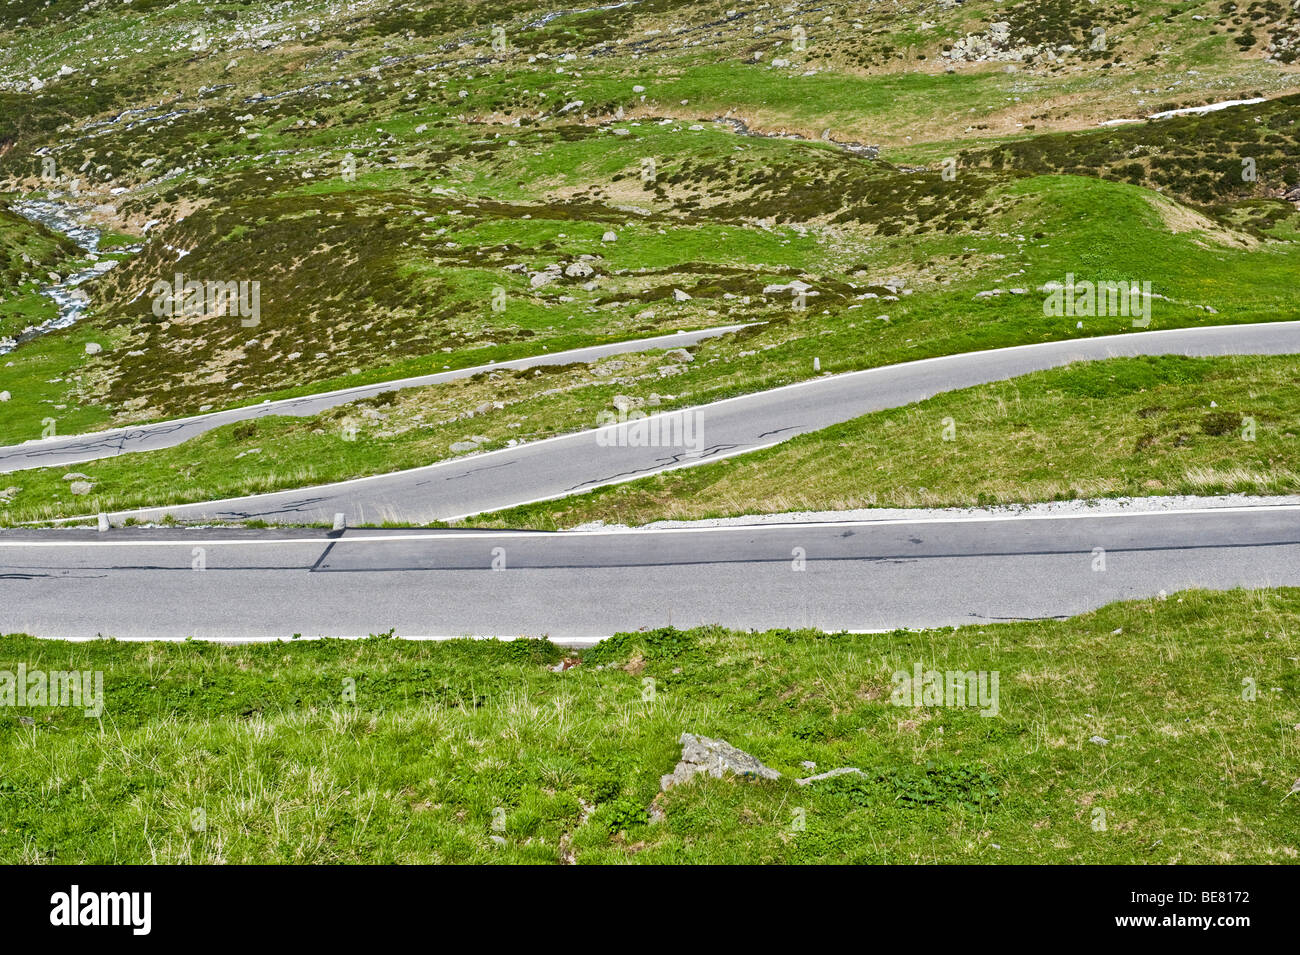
(144, 583)
(76, 449)
(577, 462)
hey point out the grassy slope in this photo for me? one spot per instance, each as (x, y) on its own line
(441, 735)
(1122, 427)
(350, 296)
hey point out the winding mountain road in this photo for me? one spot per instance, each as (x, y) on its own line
(77, 449)
(910, 571)
(580, 461)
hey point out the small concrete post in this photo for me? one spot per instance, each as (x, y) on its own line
(103, 523)
(340, 521)
(817, 364)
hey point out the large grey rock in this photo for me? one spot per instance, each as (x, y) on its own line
(700, 754)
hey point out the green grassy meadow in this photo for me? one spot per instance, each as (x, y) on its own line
(382, 750)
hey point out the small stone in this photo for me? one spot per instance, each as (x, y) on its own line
(80, 487)
(93, 348)
(830, 774)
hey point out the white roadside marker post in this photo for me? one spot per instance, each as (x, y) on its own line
(103, 523)
(340, 521)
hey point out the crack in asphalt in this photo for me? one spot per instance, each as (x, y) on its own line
(471, 472)
(659, 465)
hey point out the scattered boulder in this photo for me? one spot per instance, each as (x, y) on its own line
(700, 754)
(93, 348)
(997, 45)
(679, 355)
(545, 277)
(80, 487)
(794, 288)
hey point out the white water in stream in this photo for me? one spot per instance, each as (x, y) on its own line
(70, 300)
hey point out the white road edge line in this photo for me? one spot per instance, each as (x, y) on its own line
(432, 638)
(397, 536)
(581, 642)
